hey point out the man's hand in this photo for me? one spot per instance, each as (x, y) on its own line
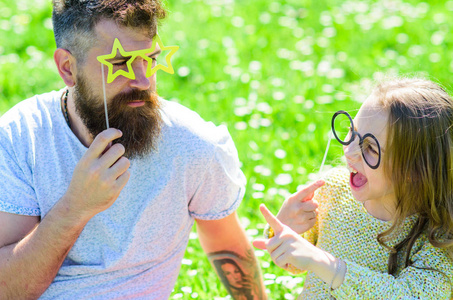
(32, 254)
(299, 211)
(99, 176)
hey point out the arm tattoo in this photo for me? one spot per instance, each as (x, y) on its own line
(239, 274)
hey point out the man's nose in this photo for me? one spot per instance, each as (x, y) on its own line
(141, 81)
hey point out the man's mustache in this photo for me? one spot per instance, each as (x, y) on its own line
(135, 95)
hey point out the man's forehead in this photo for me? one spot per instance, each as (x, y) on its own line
(132, 38)
(153, 50)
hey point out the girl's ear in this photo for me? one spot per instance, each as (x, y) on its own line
(65, 62)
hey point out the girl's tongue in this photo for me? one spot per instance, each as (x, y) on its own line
(358, 179)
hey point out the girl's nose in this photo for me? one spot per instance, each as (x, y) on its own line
(352, 151)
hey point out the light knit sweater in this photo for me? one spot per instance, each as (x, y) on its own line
(347, 231)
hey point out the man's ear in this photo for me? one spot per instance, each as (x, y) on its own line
(66, 63)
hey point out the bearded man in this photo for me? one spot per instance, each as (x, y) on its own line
(93, 213)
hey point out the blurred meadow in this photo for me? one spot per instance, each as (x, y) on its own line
(274, 72)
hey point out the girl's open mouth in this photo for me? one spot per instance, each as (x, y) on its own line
(357, 179)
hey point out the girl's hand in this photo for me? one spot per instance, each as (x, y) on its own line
(287, 248)
(300, 210)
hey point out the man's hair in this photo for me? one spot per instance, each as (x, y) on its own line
(419, 160)
(74, 21)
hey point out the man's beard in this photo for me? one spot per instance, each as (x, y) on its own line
(140, 125)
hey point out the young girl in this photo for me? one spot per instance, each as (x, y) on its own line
(384, 228)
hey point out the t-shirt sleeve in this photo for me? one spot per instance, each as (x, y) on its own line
(17, 195)
(429, 277)
(222, 185)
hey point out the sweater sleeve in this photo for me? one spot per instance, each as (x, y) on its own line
(429, 277)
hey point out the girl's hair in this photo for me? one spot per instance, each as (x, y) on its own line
(419, 161)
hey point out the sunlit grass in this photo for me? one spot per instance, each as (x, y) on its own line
(272, 71)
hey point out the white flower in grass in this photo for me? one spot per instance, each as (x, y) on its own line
(264, 171)
(437, 38)
(240, 125)
(269, 282)
(280, 153)
(283, 179)
(264, 107)
(183, 71)
(287, 167)
(237, 21)
(255, 66)
(258, 187)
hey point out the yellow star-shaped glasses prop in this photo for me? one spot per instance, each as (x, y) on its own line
(132, 55)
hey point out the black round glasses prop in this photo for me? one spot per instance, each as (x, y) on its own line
(343, 130)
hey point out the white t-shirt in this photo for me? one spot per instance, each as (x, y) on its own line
(134, 248)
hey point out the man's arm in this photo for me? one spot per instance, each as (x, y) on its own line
(232, 256)
(32, 251)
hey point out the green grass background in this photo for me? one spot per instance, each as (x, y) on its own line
(272, 71)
